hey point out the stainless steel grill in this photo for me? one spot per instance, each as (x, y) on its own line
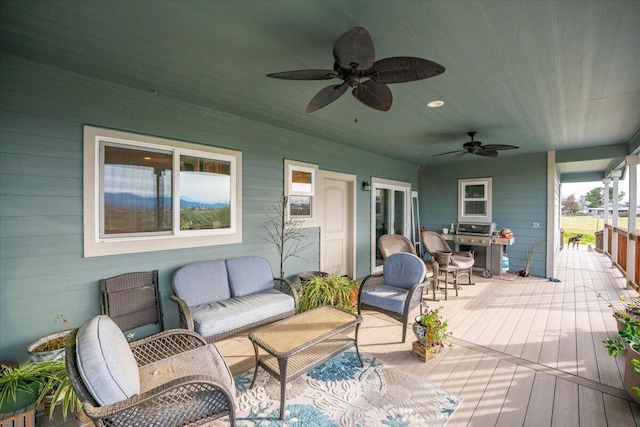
(488, 247)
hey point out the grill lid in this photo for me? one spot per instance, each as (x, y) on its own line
(476, 228)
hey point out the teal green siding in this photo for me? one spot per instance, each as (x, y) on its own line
(42, 113)
(519, 198)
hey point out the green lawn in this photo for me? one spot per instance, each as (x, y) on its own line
(587, 226)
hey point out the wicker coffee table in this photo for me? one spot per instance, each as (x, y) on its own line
(302, 342)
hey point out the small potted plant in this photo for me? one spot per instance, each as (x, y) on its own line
(630, 344)
(525, 272)
(629, 341)
(431, 330)
(332, 289)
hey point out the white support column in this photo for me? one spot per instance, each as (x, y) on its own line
(616, 174)
(605, 218)
(632, 162)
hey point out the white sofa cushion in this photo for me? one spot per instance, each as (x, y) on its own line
(248, 275)
(235, 313)
(105, 361)
(202, 282)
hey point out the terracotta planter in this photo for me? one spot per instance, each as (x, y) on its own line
(631, 377)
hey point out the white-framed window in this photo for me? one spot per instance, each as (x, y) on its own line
(300, 187)
(474, 200)
(144, 193)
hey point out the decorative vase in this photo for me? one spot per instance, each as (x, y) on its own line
(419, 330)
(41, 356)
(631, 377)
(442, 258)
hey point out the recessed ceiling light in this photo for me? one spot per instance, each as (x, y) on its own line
(435, 104)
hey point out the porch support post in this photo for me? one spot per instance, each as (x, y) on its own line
(615, 174)
(632, 162)
(605, 217)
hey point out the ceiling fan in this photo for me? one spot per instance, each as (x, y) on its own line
(476, 147)
(354, 55)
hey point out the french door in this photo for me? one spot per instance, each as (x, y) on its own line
(390, 213)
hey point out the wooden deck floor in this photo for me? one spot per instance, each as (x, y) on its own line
(526, 352)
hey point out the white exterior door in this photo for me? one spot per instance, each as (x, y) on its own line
(337, 235)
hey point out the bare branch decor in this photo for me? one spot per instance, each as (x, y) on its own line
(286, 233)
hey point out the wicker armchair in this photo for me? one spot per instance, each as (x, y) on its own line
(390, 244)
(463, 260)
(183, 381)
(396, 291)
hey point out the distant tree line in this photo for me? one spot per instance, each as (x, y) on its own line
(593, 199)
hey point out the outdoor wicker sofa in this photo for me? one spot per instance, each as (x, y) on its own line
(173, 378)
(220, 298)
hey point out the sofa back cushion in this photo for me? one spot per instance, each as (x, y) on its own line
(202, 282)
(403, 270)
(105, 361)
(248, 275)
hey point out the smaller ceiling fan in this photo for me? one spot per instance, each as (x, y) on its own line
(476, 147)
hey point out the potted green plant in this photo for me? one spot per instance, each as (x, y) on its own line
(332, 289)
(525, 271)
(629, 342)
(29, 383)
(431, 330)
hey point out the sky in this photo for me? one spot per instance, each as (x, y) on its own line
(581, 188)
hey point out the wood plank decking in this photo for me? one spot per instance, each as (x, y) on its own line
(525, 353)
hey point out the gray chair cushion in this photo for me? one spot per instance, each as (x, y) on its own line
(248, 275)
(462, 262)
(105, 361)
(202, 282)
(403, 270)
(224, 316)
(205, 360)
(385, 297)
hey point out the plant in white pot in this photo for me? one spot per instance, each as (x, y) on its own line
(431, 330)
(51, 347)
(629, 343)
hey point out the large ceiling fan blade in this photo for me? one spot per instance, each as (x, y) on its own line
(487, 153)
(375, 95)
(401, 69)
(354, 49)
(305, 75)
(500, 147)
(326, 96)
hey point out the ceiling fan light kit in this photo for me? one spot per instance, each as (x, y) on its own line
(477, 148)
(354, 56)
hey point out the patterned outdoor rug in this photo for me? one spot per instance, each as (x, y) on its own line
(342, 393)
